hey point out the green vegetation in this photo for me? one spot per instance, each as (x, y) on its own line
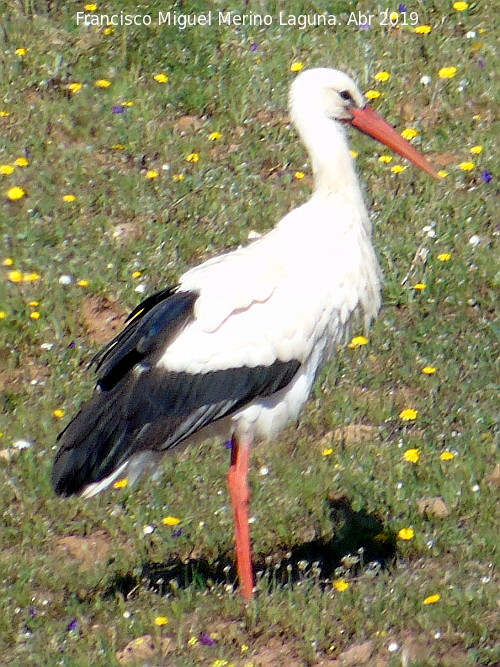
(82, 579)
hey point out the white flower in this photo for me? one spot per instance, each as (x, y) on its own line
(471, 34)
(425, 80)
(475, 240)
(22, 444)
(65, 279)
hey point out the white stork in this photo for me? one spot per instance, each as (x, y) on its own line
(234, 348)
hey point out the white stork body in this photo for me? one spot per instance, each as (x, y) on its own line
(235, 347)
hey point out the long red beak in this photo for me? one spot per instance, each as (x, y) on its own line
(369, 122)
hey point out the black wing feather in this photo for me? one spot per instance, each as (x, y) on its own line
(138, 406)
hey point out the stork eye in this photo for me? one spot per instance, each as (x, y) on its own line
(346, 95)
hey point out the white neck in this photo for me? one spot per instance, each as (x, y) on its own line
(326, 143)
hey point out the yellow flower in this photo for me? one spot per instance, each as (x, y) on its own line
(444, 256)
(118, 147)
(90, 7)
(15, 276)
(357, 341)
(178, 177)
(30, 277)
(69, 198)
(193, 157)
(109, 30)
(33, 303)
(409, 134)
(476, 150)
(244, 648)
(340, 585)
(75, 87)
(128, 104)
(121, 483)
(466, 166)
(385, 159)
(4, 114)
(296, 67)
(447, 456)
(442, 173)
(447, 72)
(21, 52)
(136, 274)
(408, 415)
(420, 286)
(411, 455)
(429, 370)
(161, 78)
(299, 175)
(151, 173)
(327, 451)
(382, 76)
(58, 413)
(83, 283)
(8, 261)
(102, 83)
(406, 534)
(35, 315)
(432, 599)
(192, 641)
(354, 154)
(161, 620)
(21, 162)
(6, 169)
(423, 29)
(397, 169)
(170, 521)
(220, 663)
(214, 135)
(372, 94)
(393, 16)
(3, 315)
(16, 193)
(460, 6)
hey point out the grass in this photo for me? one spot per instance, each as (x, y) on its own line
(80, 580)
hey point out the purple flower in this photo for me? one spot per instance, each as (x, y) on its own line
(206, 639)
(32, 612)
(177, 533)
(364, 26)
(72, 625)
(486, 176)
(118, 108)
(402, 9)
(228, 444)
(254, 47)
(480, 62)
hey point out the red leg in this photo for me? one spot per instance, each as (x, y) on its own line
(240, 497)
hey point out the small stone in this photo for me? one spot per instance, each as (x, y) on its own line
(433, 506)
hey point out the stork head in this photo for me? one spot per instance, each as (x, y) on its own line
(332, 94)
